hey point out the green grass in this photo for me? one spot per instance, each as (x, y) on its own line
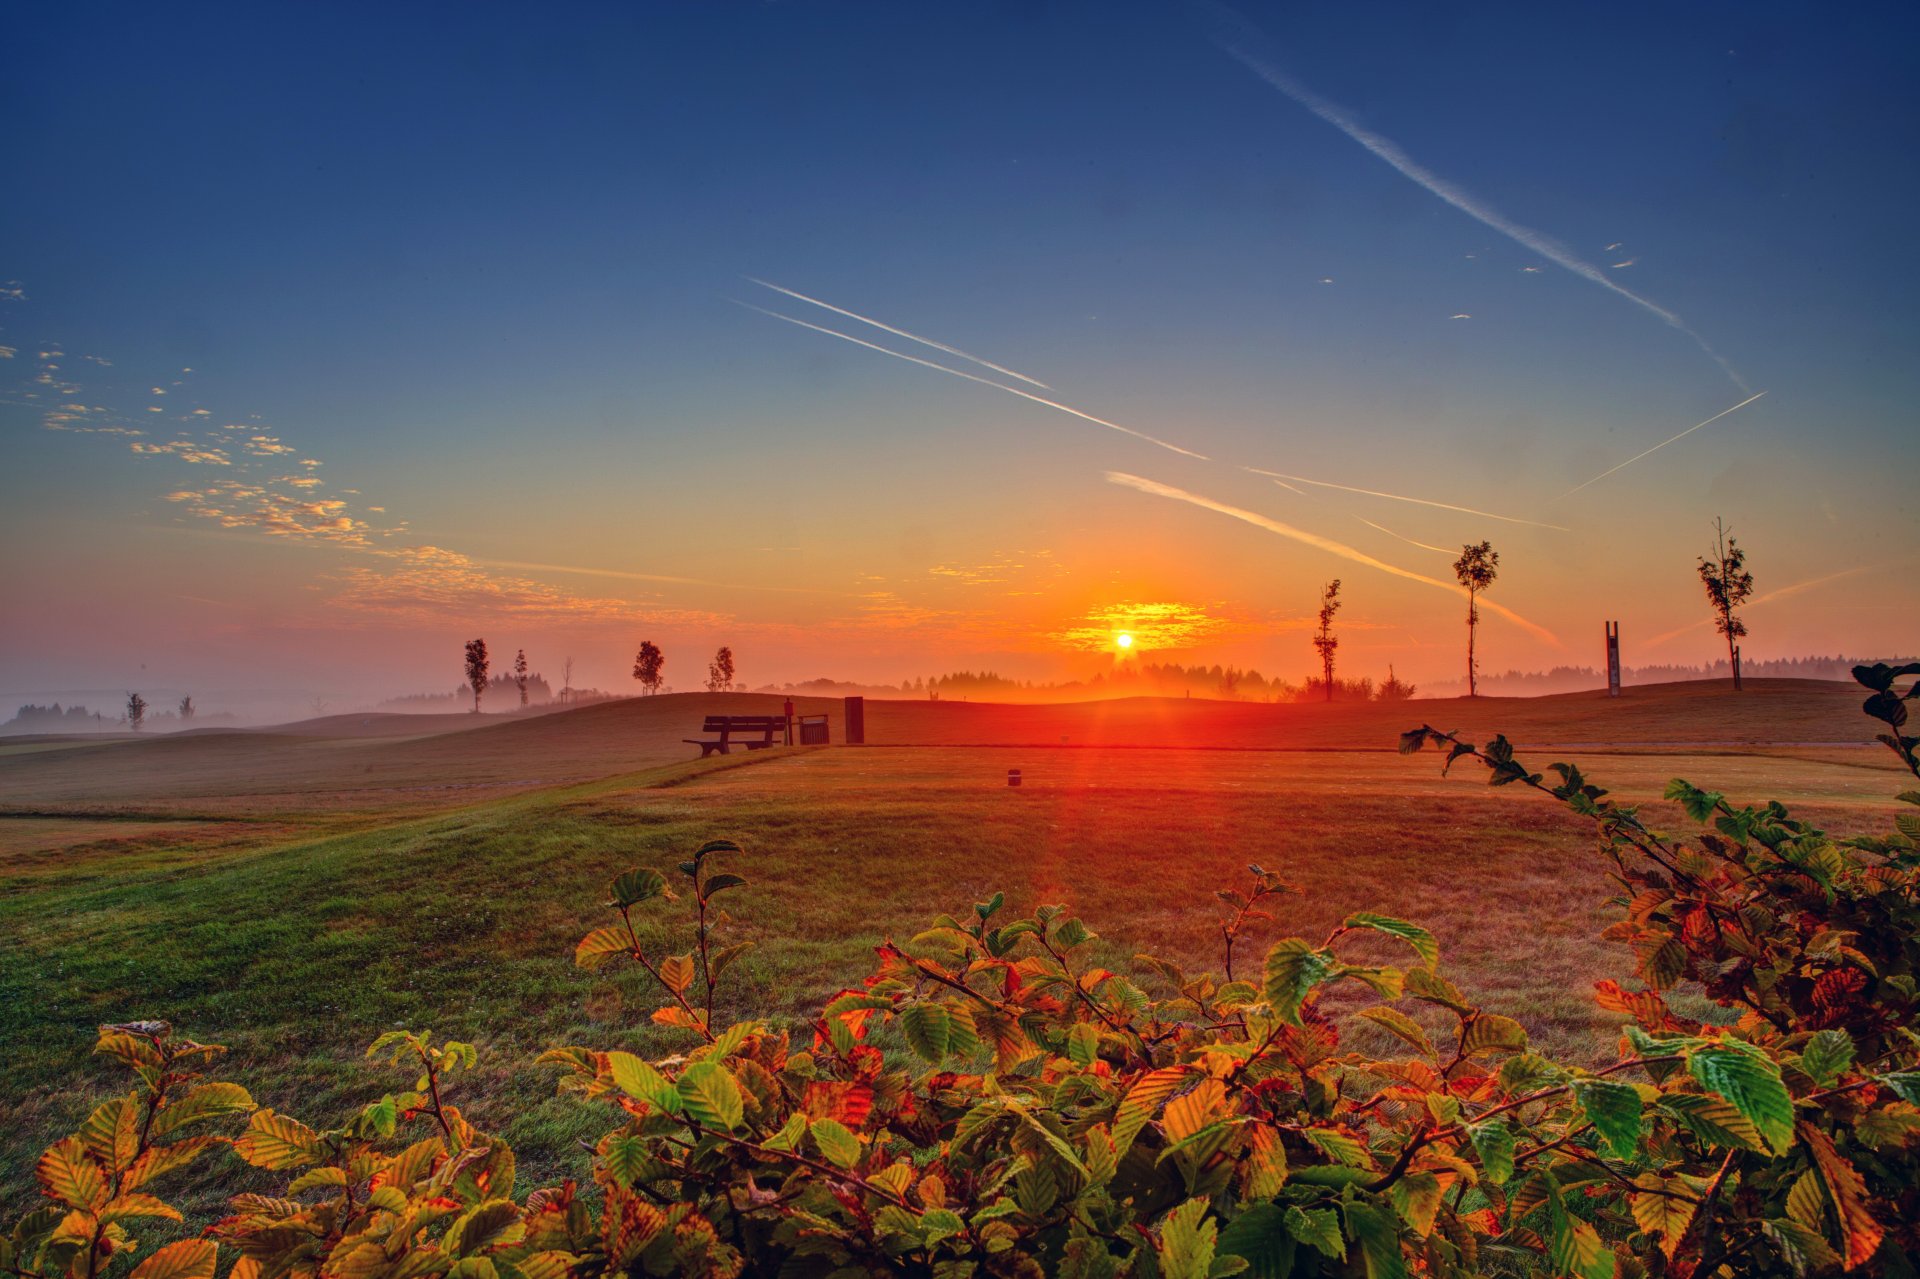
(296, 949)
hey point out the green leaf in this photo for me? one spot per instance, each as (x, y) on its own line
(1826, 1055)
(710, 1094)
(836, 1142)
(1339, 1147)
(1573, 1245)
(1490, 1032)
(600, 945)
(1750, 1080)
(1187, 1241)
(637, 885)
(642, 1082)
(928, 1029)
(1614, 1111)
(1377, 1231)
(1398, 1023)
(1905, 1084)
(1294, 968)
(1493, 1141)
(720, 883)
(1260, 1236)
(1070, 933)
(1318, 1228)
(1415, 936)
(1083, 1044)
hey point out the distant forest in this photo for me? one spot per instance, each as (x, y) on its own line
(1572, 679)
(1145, 679)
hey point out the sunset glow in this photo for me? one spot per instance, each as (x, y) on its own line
(1123, 640)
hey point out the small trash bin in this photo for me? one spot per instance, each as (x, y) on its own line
(813, 730)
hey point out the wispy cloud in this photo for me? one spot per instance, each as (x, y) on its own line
(1656, 448)
(430, 583)
(902, 333)
(186, 451)
(1327, 544)
(1241, 41)
(1155, 627)
(1425, 546)
(972, 377)
(1281, 478)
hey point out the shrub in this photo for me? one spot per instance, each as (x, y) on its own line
(1039, 1114)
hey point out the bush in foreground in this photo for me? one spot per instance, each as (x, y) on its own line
(1042, 1115)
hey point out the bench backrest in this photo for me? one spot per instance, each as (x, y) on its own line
(745, 724)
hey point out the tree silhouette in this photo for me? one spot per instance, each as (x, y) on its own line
(136, 711)
(477, 670)
(1476, 570)
(186, 708)
(647, 665)
(566, 681)
(1325, 641)
(720, 671)
(1728, 584)
(520, 674)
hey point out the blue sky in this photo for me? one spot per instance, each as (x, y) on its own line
(480, 264)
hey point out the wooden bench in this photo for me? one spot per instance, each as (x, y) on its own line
(729, 725)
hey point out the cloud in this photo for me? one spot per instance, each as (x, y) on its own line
(186, 451)
(8, 352)
(1155, 627)
(1327, 544)
(12, 291)
(1425, 546)
(431, 584)
(267, 446)
(239, 504)
(1785, 592)
(1242, 42)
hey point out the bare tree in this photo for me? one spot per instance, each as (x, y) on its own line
(186, 708)
(1476, 570)
(136, 711)
(720, 671)
(520, 675)
(1728, 585)
(477, 670)
(647, 665)
(566, 681)
(1325, 642)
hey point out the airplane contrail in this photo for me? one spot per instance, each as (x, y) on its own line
(972, 377)
(1656, 448)
(625, 575)
(1425, 546)
(1327, 544)
(1784, 592)
(912, 337)
(1239, 34)
(1279, 477)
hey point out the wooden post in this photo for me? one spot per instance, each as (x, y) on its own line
(1613, 659)
(856, 721)
(789, 714)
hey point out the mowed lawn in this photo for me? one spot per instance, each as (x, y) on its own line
(297, 939)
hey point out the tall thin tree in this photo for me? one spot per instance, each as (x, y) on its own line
(136, 711)
(647, 665)
(720, 671)
(477, 670)
(1325, 642)
(520, 675)
(1728, 585)
(1476, 569)
(566, 681)
(186, 708)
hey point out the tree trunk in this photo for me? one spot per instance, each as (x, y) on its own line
(1473, 621)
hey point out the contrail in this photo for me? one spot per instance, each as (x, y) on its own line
(1327, 544)
(1656, 448)
(1425, 546)
(1239, 34)
(1781, 594)
(998, 386)
(1279, 477)
(888, 328)
(627, 576)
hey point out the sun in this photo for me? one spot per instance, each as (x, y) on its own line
(1123, 640)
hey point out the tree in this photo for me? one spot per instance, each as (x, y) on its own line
(720, 671)
(186, 708)
(477, 670)
(647, 665)
(136, 710)
(1325, 641)
(520, 674)
(1476, 570)
(1728, 584)
(566, 681)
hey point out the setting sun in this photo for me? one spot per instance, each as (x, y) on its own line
(1124, 640)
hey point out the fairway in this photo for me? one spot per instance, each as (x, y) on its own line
(295, 914)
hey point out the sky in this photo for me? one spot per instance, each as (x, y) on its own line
(881, 341)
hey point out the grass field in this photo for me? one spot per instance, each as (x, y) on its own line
(294, 893)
